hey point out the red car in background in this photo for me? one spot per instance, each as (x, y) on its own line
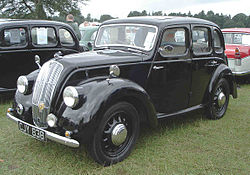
(237, 42)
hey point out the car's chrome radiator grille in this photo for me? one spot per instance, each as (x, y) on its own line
(43, 91)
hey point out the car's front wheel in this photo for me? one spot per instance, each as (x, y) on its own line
(116, 135)
(218, 100)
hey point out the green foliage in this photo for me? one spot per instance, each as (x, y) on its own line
(159, 13)
(224, 21)
(39, 9)
(105, 18)
(144, 13)
(89, 17)
(136, 13)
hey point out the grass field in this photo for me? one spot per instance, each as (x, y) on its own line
(188, 144)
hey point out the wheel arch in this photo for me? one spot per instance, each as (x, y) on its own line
(145, 109)
(135, 95)
(98, 96)
(223, 71)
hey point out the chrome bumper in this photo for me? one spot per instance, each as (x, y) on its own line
(50, 135)
(241, 73)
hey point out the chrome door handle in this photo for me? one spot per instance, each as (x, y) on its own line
(212, 64)
(158, 67)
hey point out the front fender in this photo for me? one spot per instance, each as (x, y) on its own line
(223, 71)
(26, 100)
(98, 95)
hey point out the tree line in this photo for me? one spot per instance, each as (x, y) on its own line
(224, 21)
(53, 10)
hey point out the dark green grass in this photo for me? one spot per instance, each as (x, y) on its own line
(188, 144)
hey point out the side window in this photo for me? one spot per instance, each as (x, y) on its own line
(92, 38)
(201, 40)
(217, 42)
(43, 36)
(174, 42)
(16, 37)
(66, 37)
(237, 38)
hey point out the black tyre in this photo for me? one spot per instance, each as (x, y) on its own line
(116, 135)
(218, 100)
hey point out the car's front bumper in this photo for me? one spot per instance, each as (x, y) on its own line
(241, 73)
(50, 135)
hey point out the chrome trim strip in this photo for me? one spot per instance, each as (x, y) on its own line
(6, 89)
(50, 135)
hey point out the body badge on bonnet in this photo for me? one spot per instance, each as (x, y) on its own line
(41, 106)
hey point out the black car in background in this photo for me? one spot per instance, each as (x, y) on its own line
(21, 40)
(141, 70)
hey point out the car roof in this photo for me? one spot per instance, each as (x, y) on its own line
(29, 21)
(160, 20)
(237, 30)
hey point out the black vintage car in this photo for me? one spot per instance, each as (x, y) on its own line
(141, 70)
(21, 40)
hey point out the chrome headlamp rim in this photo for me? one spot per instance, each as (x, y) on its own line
(22, 84)
(70, 96)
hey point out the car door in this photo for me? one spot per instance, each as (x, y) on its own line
(48, 40)
(14, 55)
(205, 61)
(170, 77)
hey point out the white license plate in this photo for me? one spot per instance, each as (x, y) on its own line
(32, 131)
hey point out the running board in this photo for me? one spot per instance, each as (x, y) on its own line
(163, 115)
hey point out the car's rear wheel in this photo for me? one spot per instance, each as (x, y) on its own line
(116, 135)
(218, 100)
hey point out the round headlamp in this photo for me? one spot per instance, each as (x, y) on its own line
(70, 96)
(51, 120)
(22, 84)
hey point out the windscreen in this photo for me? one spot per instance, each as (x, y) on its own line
(128, 35)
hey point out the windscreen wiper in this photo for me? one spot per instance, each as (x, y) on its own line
(136, 51)
(102, 48)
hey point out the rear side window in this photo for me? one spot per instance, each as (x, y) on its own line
(237, 38)
(201, 40)
(43, 36)
(65, 37)
(174, 42)
(15, 37)
(217, 42)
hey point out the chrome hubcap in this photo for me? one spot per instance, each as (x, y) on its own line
(221, 99)
(119, 134)
(116, 134)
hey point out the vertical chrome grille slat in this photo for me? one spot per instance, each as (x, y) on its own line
(44, 90)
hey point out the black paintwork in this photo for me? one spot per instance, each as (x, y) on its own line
(181, 85)
(16, 61)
